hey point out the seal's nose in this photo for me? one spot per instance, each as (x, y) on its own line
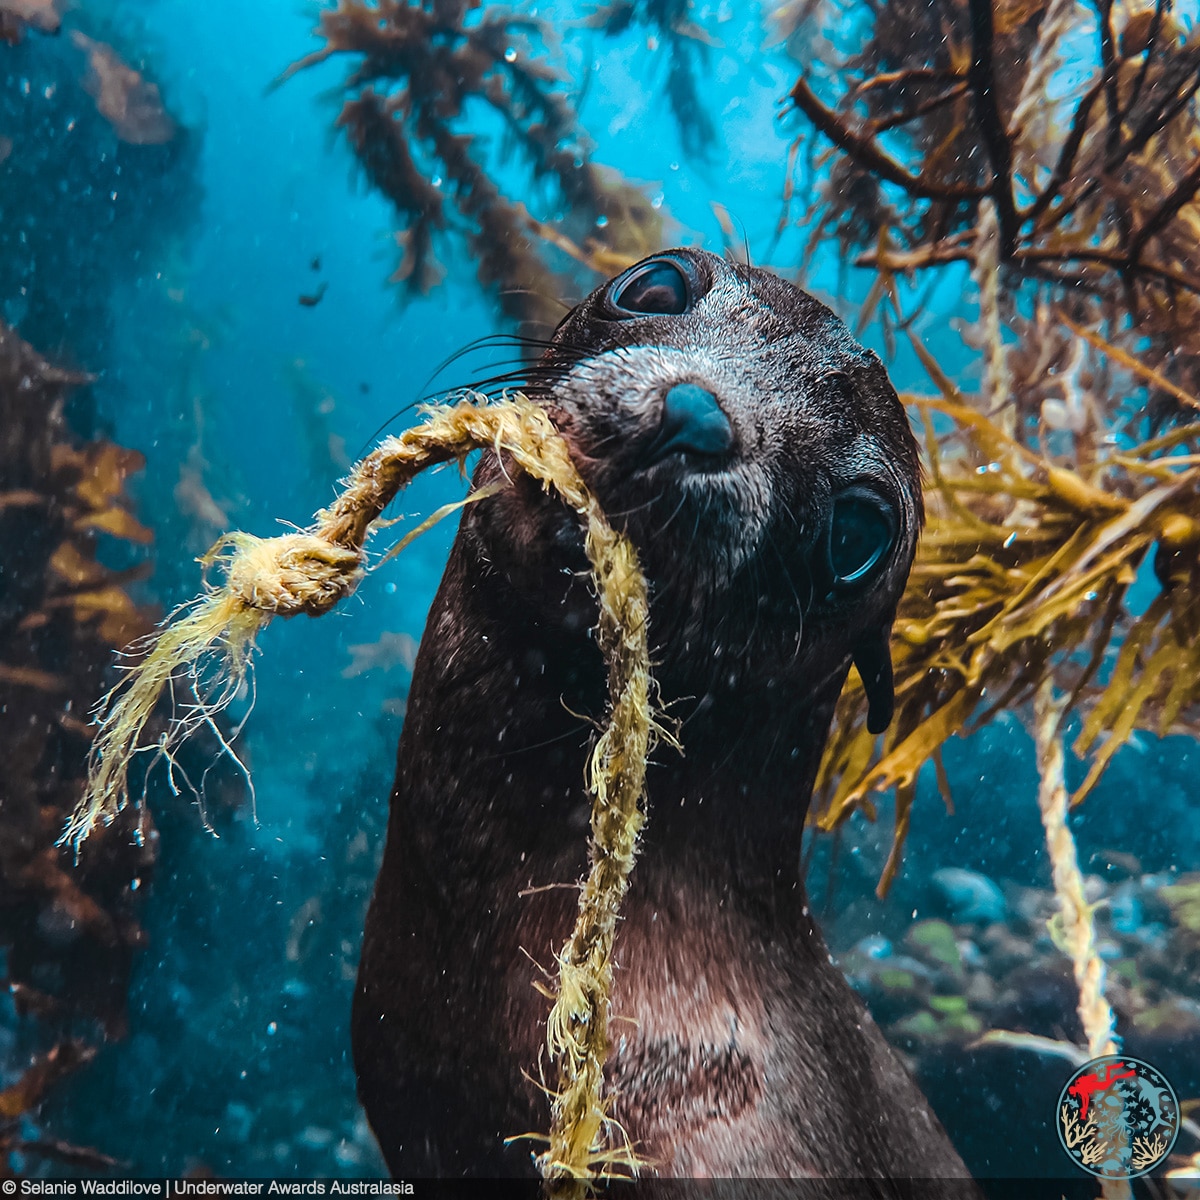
(692, 422)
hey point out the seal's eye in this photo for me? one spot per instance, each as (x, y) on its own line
(653, 288)
(861, 533)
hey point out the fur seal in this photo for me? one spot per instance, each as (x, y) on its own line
(763, 465)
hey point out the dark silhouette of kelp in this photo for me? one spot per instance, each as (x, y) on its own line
(96, 177)
(70, 933)
(687, 46)
(429, 76)
(947, 139)
(93, 176)
(17, 16)
(23, 1097)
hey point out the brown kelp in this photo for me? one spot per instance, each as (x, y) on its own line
(948, 104)
(70, 934)
(20, 1099)
(427, 75)
(1052, 483)
(96, 179)
(94, 174)
(1057, 142)
(1024, 573)
(130, 102)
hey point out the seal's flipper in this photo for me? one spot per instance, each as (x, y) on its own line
(873, 658)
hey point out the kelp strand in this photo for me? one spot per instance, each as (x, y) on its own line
(310, 572)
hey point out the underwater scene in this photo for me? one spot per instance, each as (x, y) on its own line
(747, 456)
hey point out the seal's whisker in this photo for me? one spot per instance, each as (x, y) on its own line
(695, 531)
(622, 513)
(521, 375)
(787, 575)
(756, 572)
(663, 529)
(497, 340)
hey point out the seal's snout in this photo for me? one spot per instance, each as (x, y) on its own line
(692, 423)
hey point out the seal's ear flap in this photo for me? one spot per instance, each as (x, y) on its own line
(873, 658)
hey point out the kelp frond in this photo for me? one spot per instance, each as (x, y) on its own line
(418, 70)
(1024, 574)
(948, 147)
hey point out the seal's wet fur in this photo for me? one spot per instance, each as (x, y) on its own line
(738, 1048)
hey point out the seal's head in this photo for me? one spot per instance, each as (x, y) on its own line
(757, 456)
(763, 466)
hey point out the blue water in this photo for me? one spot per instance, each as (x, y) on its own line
(237, 1059)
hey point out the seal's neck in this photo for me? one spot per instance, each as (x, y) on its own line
(509, 688)
(741, 785)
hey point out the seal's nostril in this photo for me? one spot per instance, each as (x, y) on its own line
(692, 422)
